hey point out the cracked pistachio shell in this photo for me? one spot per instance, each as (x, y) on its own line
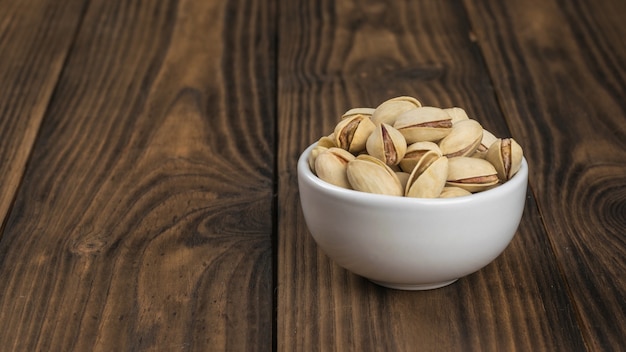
(452, 192)
(456, 114)
(426, 123)
(463, 139)
(369, 174)
(414, 152)
(428, 177)
(331, 165)
(358, 111)
(352, 132)
(486, 141)
(386, 144)
(389, 110)
(471, 174)
(506, 156)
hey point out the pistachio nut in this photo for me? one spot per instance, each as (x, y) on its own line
(327, 141)
(386, 144)
(331, 165)
(322, 144)
(369, 174)
(428, 177)
(486, 141)
(414, 153)
(456, 114)
(463, 139)
(389, 110)
(426, 123)
(352, 132)
(506, 156)
(317, 150)
(358, 111)
(471, 174)
(452, 192)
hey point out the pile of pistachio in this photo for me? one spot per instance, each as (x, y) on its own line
(402, 148)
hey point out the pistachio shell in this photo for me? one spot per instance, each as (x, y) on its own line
(471, 174)
(358, 111)
(506, 156)
(331, 165)
(389, 110)
(428, 177)
(456, 114)
(414, 153)
(486, 141)
(426, 123)
(352, 132)
(369, 174)
(452, 192)
(463, 139)
(327, 141)
(386, 144)
(317, 150)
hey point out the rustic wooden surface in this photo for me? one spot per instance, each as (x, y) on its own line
(148, 193)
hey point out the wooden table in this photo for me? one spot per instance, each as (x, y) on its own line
(148, 192)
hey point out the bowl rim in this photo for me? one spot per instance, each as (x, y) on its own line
(519, 179)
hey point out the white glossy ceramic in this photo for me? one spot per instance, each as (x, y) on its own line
(410, 243)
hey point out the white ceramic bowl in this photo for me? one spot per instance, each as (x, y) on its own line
(410, 243)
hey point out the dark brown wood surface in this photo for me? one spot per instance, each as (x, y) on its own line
(144, 218)
(569, 64)
(148, 192)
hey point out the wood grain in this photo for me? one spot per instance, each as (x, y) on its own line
(148, 192)
(558, 68)
(34, 45)
(145, 221)
(335, 56)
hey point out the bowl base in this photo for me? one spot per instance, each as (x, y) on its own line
(410, 287)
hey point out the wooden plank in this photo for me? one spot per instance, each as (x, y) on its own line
(335, 56)
(34, 45)
(558, 68)
(145, 218)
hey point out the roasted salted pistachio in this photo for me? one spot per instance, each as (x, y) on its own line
(428, 177)
(456, 114)
(358, 111)
(386, 144)
(415, 152)
(426, 123)
(317, 150)
(322, 144)
(331, 165)
(389, 110)
(463, 140)
(352, 132)
(471, 174)
(327, 141)
(369, 174)
(402, 148)
(506, 155)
